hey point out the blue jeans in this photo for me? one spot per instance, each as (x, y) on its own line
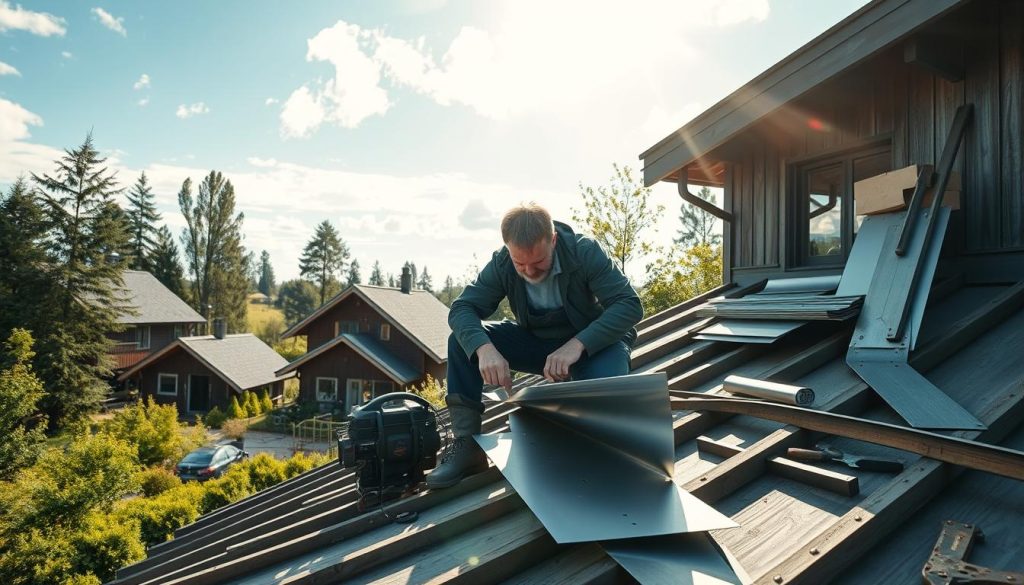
(527, 353)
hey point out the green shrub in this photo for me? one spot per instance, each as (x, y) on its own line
(156, 480)
(266, 404)
(252, 404)
(106, 544)
(235, 410)
(215, 418)
(160, 516)
(224, 490)
(301, 463)
(433, 391)
(155, 430)
(263, 471)
(82, 580)
(291, 390)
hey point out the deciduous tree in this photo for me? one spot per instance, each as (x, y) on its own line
(297, 298)
(214, 253)
(617, 215)
(20, 391)
(675, 279)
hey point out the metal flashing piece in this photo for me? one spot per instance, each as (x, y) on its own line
(893, 304)
(784, 306)
(593, 459)
(748, 331)
(866, 251)
(677, 559)
(911, 395)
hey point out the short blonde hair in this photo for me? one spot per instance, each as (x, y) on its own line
(526, 225)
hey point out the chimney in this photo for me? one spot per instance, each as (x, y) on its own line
(406, 280)
(219, 328)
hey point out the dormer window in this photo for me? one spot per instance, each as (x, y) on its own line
(142, 337)
(385, 332)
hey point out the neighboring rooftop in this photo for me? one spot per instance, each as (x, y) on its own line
(370, 349)
(154, 302)
(418, 314)
(242, 360)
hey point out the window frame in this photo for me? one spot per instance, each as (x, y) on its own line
(385, 332)
(799, 214)
(316, 389)
(148, 336)
(159, 384)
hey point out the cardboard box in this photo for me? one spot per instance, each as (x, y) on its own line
(892, 191)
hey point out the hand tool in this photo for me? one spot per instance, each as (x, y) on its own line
(825, 453)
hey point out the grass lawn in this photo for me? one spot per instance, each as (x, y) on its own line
(258, 313)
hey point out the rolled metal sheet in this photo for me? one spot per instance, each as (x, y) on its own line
(785, 393)
(677, 559)
(593, 460)
(804, 284)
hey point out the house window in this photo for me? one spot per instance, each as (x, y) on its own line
(382, 387)
(327, 389)
(167, 384)
(385, 332)
(178, 330)
(142, 337)
(825, 214)
(345, 327)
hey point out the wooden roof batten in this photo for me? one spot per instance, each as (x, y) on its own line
(863, 34)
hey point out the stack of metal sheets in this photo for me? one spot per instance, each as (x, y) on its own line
(785, 307)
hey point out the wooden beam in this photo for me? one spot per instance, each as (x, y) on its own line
(943, 56)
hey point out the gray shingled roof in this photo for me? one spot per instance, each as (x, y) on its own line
(243, 360)
(420, 313)
(154, 302)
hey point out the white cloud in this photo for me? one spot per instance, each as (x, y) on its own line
(262, 162)
(195, 109)
(108, 20)
(270, 101)
(477, 216)
(66, 54)
(142, 83)
(15, 120)
(6, 69)
(143, 102)
(580, 52)
(37, 23)
(302, 113)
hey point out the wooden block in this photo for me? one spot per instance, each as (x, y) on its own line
(842, 484)
(891, 191)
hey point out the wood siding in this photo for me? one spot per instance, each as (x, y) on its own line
(887, 99)
(343, 363)
(183, 364)
(354, 308)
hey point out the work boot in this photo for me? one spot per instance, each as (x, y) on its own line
(463, 456)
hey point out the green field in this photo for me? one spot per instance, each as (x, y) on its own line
(259, 314)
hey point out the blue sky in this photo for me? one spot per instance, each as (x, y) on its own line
(410, 125)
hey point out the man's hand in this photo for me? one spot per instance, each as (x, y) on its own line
(556, 368)
(493, 366)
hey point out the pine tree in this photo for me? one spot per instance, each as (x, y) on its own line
(84, 304)
(323, 258)
(24, 275)
(426, 282)
(165, 264)
(353, 274)
(699, 228)
(142, 219)
(448, 292)
(267, 284)
(391, 280)
(213, 249)
(376, 277)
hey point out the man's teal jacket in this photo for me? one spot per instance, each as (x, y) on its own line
(598, 299)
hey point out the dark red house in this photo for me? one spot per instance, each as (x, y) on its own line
(160, 318)
(201, 372)
(368, 341)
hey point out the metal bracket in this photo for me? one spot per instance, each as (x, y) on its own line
(947, 565)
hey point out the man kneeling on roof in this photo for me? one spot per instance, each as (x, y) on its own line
(575, 314)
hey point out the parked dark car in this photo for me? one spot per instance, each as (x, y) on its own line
(208, 462)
